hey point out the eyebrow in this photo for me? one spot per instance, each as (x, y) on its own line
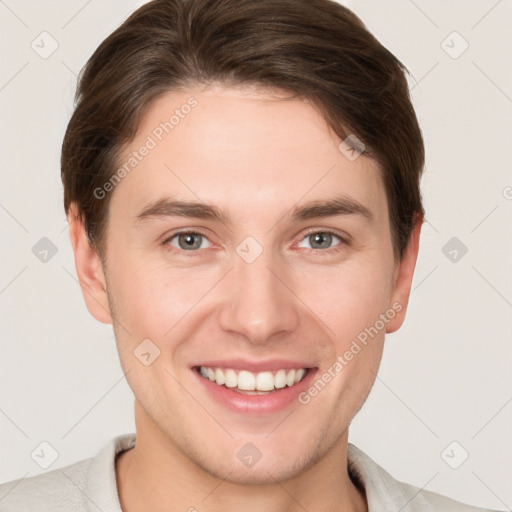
(340, 205)
(166, 207)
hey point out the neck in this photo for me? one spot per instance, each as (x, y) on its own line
(156, 475)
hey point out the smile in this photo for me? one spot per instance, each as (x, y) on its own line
(247, 382)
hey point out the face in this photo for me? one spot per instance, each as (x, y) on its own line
(284, 262)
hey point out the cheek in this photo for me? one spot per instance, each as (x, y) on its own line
(348, 298)
(155, 296)
(351, 306)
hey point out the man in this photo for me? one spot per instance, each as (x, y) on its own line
(242, 184)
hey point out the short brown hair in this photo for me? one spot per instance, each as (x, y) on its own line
(317, 50)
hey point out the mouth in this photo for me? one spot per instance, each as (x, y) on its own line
(250, 383)
(254, 393)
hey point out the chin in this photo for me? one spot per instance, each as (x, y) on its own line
(262, 472)
(262, 475)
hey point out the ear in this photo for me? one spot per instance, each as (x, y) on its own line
(89, 269)
(402, 279)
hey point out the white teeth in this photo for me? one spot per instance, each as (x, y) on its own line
(264, 381)
(299, 374)
(248, 381)
(219, 377)
(280, 379)
(230, 378)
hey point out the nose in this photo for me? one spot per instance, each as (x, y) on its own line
(259, 302)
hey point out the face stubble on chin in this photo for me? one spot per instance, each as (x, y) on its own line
(286, 304)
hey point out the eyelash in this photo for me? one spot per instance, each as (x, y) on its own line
(323, 252)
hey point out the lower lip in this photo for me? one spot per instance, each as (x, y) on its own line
(257, 404)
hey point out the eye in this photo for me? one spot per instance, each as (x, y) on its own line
(187, 240)
(320, 240)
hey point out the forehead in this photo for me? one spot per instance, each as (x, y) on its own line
(245, 148)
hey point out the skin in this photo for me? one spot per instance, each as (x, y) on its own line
(257, 156)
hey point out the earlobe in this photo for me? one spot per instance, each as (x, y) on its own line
(89, 269)
(403, 279)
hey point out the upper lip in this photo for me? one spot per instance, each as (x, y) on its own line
(255, 366)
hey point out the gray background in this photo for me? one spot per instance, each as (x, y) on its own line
(445, 376)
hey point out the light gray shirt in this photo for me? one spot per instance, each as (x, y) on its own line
(90, 486)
